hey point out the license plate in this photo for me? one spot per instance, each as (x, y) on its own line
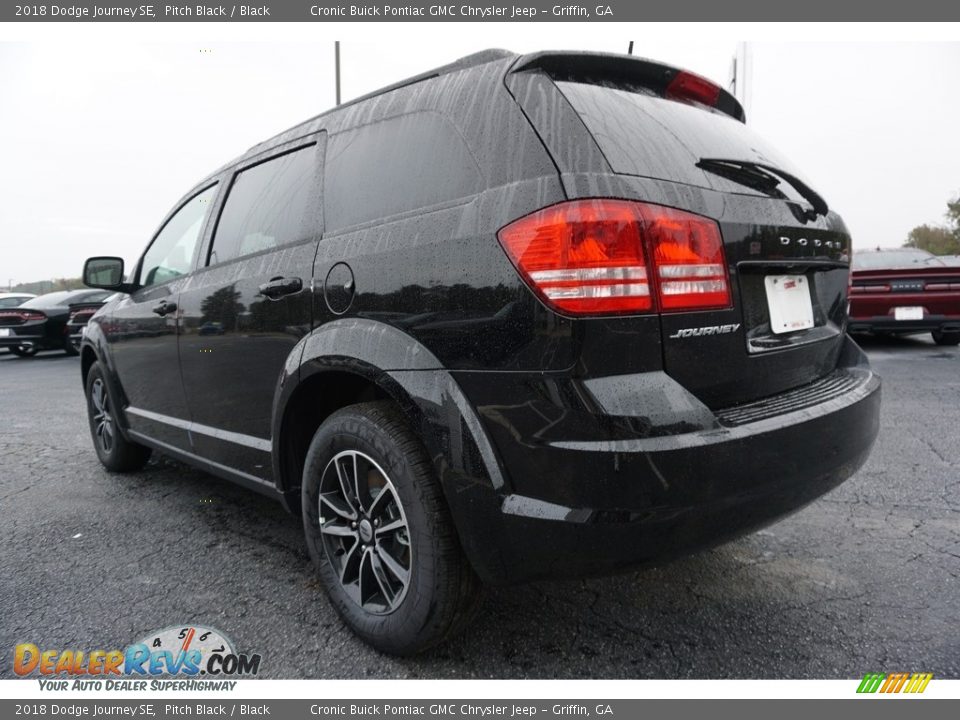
(788, 299)
(908, 313)
(4, 332)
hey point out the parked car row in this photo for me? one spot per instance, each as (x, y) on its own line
(49, 322)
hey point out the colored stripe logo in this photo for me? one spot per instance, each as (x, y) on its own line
(894, 682)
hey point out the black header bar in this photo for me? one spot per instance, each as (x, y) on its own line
(325, 11)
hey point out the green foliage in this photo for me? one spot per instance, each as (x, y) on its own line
(939, 239)
(935, 239)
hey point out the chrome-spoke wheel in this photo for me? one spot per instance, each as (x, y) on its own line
(365, 532)
(103, 428)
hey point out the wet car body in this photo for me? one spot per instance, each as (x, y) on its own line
(668, 368)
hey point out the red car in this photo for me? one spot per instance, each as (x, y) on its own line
(904, 291)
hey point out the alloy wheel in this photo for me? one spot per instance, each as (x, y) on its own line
(102, 419)
(365, 532)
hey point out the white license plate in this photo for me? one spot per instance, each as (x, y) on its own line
(908, 313)
(788, 299)
(5, 332)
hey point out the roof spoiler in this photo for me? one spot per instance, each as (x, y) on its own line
(667, 81)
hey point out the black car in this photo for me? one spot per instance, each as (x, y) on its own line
(80, 314)
(538, 316)
(41, 323)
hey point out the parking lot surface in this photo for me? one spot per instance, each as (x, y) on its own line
(866, 579)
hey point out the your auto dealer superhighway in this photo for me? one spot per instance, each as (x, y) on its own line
(480, 12)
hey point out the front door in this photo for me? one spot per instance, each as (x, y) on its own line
(142, 330)
(249, 304)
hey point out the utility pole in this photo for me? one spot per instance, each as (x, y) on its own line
(336, 60)
(740, 75)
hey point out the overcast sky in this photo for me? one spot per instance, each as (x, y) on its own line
(100, 139)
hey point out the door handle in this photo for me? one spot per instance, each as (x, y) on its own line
(279, 286)
(164, 308)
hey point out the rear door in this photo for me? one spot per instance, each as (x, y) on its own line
(788, 265)
(249, 303)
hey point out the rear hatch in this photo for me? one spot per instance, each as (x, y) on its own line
(675, 139)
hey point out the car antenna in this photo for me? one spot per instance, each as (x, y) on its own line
(630, 48)
(336, 63)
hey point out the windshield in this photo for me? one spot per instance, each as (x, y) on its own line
(891, 259)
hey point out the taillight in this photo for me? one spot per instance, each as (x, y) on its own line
(940, 287)
(600, 257)
(23, 315)
(869, 288)
(690, 87)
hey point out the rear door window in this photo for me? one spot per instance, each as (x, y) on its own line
(273, 203)
(394, 166)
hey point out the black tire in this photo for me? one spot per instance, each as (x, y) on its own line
(21, 351)
(115, 452)
(950, 337)
(401, 490)
(69, 348)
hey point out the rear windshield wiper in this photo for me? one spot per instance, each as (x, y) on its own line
(765, 178)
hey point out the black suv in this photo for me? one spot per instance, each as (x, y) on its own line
(538, 316)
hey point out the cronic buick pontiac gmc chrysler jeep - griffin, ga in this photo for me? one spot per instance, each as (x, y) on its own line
(518, 317)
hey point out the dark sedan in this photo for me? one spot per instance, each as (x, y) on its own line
(42, 323)
(905, 291)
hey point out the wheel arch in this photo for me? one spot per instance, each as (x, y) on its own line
(356, 360)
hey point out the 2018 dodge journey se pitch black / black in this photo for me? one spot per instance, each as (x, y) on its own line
(538, 316)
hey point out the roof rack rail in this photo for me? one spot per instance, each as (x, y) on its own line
(468, 61)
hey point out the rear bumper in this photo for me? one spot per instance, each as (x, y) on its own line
(16, 339)
(889, 324)
(579, 507)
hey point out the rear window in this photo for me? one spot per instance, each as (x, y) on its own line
(397, 165)
(643, 134)
(895, 260)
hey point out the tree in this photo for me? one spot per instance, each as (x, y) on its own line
(223, 306)
(953, 214)
(935, 239)
(939, 239)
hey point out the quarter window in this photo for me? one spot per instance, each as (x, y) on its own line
(269, 205)
(172, 251)
(397, 165)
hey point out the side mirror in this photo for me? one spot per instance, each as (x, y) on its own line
(105, 273)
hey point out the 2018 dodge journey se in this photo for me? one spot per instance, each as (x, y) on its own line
(537, 316)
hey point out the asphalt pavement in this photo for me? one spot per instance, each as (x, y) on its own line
(866, 579)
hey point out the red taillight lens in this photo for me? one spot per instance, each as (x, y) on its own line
(589, 257)
(692, 271)
(24, 315)
(941, 287)
(869, 288)
(688, 86)
(582, 257)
